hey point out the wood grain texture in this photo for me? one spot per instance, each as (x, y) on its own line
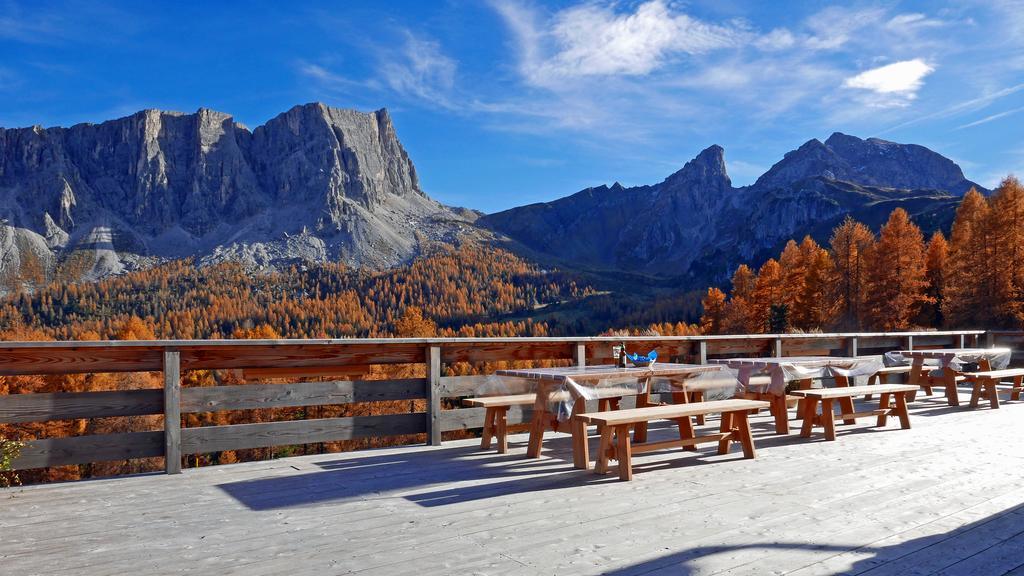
(298, 355)
(241, 436)
(16, 408)
(471, 418)
(75, 360)
(172, 411)
(434, 395)
(256, 396)
(85, 449)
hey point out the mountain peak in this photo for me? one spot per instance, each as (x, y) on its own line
(705, 171)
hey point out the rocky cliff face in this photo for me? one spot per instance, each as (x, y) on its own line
(315, 183)
(696, 227)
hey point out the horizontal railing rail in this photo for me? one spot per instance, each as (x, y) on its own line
(338, 358)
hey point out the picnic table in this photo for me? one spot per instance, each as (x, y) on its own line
(802, 370)
(952, 364)
(560, 389)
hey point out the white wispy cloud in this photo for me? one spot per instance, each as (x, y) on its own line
(833, 27)
(991, 118)
(895, 83)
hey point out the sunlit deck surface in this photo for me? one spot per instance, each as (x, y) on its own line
(944, 497)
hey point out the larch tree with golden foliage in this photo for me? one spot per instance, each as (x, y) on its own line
(1006, 236)
(968, 283)
(711, 321)
(768, 292)
(935, 258)
(738, 311)
(850, 241)
(896, 274)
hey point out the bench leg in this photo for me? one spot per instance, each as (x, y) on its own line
(604, 449)
(741, 426)
(846, 406)
(501, 429)
(624, 452)
(727, 427)
(884, 405)
(485, 438)
(993, 393)
(828, 418)
(686, 432)
(976, 391)
(1017, 382)
(781, 414)
(901, 410)
(809, 414)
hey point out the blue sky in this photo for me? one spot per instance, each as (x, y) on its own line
(502, 103)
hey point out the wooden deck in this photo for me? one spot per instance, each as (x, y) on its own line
(944, 497)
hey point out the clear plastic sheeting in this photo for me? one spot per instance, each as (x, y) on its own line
(558, 389)
(957, 359)
(782, 371)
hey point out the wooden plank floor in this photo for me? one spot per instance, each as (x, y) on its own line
(946, 497)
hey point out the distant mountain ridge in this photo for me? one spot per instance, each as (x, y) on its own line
(315, 183)
(319, 184)
(697, 227)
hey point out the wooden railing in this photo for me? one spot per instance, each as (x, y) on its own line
(275, 358)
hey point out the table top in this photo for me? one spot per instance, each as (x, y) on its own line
(608, 371)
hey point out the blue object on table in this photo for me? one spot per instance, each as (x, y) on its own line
(642, 361)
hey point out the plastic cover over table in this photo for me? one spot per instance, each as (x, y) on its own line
(558, 388)
(793, 368)
(959, 359)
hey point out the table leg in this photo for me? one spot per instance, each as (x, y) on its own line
(539, 422)
(949, 378)
(1017, 382)
(642, 400)
(686, 432)
(781, 413)
(580, 442)
(917, 376)
(845, 404)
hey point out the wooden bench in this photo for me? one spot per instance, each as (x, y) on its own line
(985, 385)
(613, 428)
(882, 376)
(844, 395)
(496, 417)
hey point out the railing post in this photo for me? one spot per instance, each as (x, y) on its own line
(434, 395)
(172, 411)
(778, 347)
(962, 343)
(990, 339)
(579, 354)
(910, 342)
(702, 352)
(851, 346)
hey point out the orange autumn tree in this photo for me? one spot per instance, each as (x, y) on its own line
(968, 286)
(895, 272)
(768, 292)
(936, 255)
(1006, 237)
(738, 316)
(850, 241)
(711, 322)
